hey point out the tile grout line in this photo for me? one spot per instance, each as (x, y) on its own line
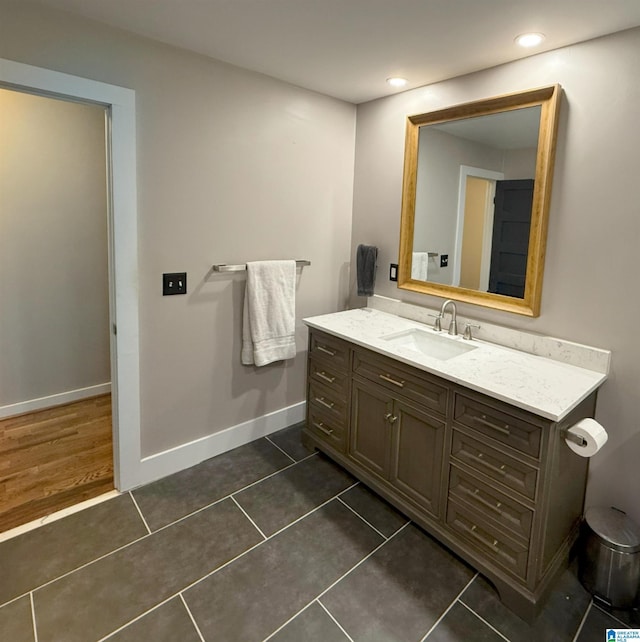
(457, 597)
(361, 517)
(287, 622)
(138, 617)
(33, 617)
(280, 449)
(227, 563)
(583, 620)
(144, 521)
(15, 599)
(364, 559)
(313, 510)
(244, 512)
(334, 619)
(177, 521)
(115, 550)
(219, 568)
(186, 588)
(493, 628)
(277, 472)
(186, 606)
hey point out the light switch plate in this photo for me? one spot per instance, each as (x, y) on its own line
(174, 283)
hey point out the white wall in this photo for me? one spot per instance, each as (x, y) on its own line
(232, 166)
(590, 292)
(54, 314)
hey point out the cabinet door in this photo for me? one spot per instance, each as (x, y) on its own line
(370, 435)
(417, 455)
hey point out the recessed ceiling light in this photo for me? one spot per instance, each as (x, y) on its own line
(397, 82)
(530, 39)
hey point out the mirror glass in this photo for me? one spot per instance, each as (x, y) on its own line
(476, 190)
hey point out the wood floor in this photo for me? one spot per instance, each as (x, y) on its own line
(54, 458)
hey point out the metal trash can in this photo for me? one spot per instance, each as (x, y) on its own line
(609, 557)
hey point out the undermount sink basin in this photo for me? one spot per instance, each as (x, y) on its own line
(428, 344)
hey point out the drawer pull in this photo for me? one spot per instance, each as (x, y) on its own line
(472, 531)
(331, 353)
(478, 459)
(390, 379)
(390, 418)
(326, 404)
(321, 427)
(325, 377)
(485, 422)
(481, 500)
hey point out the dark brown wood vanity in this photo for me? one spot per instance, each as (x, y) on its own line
(494, 483)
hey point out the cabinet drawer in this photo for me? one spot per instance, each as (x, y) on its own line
(501, 468)
(330, 350)
(490, 541)
(327, 428)
(408, 382)
(507, 428)
(328, 402)
(491, 502)
(329, 377)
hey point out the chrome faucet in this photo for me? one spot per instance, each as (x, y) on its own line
(453, 326)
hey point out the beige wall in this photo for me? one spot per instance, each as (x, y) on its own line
(590, 292)
(54, 310)
(235, 166)
(232, 166)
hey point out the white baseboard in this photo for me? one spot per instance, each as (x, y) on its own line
(192, 453)
(53, 400)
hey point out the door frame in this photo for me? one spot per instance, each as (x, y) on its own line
(120, 134)
(478, 172)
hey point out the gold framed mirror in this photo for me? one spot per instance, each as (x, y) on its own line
(475, 200)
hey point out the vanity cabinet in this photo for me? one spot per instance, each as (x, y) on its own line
(494, 483)
(397, 427)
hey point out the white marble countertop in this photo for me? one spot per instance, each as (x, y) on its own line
(544, 386)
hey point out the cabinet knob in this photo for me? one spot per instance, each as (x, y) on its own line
(391, 418)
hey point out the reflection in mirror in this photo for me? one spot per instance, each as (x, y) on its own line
(476, 191)
(467, 169)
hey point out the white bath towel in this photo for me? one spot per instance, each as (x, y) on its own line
(419, 266)
(268, 320)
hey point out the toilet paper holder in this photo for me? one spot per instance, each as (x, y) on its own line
(576, 439)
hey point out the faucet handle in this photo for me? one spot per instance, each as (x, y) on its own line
(467, 331)
(437, 324)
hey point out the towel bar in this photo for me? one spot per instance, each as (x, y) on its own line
(223, 267)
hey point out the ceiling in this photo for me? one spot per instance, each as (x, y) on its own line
(347, 48)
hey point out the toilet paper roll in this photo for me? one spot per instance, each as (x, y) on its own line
(592, 432)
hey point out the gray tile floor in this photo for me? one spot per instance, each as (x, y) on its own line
(267, 542)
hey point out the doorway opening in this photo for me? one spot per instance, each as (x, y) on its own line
(55, 382)
(118, 105)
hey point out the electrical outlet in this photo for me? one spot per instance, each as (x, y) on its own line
(393, 272)
(174, 283)
(444, 260)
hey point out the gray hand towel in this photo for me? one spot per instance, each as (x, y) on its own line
(366, 257)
